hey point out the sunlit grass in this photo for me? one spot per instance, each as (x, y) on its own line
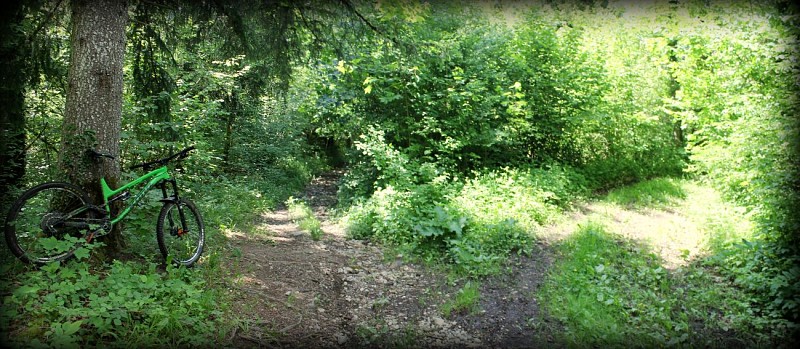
(721, 223)
(632, 270)
(680, 220)
(301, 213)
(657, 192)
(610, 291)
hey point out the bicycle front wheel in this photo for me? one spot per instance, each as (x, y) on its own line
(180, 232)
(48, 222)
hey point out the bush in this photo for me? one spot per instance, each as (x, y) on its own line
(474, 224)
(122, 304)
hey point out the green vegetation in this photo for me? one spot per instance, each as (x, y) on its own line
(466, 131)
(114, 303)
(474, 225)
(304, 217)
(653, 193)
(611, 290)
(465, 301)
(78, 304)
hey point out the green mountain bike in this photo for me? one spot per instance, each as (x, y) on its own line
(51, 221)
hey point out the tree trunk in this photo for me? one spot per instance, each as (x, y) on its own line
(93, 112)
(12, 99)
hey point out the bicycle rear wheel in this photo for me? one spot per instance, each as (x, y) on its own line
(48, 222)
(183, 242)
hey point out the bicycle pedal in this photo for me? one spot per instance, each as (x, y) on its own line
(90, 237)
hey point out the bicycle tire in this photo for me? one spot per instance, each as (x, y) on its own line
(36, 216)
(183, 243)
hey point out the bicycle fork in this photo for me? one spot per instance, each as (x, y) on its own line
(176, 200)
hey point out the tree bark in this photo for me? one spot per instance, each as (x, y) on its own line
(93, 112)
(12, 99)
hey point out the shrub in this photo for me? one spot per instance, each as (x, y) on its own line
(74, 305)
(474, 224)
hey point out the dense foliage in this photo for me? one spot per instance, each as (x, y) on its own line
(589, 98)
(475, 95)
(465, 129)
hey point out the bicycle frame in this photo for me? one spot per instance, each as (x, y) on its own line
(153, 177)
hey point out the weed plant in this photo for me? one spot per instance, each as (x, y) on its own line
(77, 304)
(472, 225)
(467, 300)
(135, 302)
(612, 292)
(301, 213)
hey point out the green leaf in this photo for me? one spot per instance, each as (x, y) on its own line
(458, 226)
(49, 243)
(70, 328)
(25, 289)
(427, 231)
(82, 253)
(51, 267)
(342, 68)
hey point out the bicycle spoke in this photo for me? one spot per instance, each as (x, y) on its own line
(183, 243)
(46, 224)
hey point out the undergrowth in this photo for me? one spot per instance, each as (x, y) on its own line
(610, 291)
(136, 301)
(78, 304)
(302, 214)
(614, 293)
(473, 225)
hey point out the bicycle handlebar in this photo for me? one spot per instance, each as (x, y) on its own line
(160, 162)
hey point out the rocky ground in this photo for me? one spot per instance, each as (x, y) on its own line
(341, 293)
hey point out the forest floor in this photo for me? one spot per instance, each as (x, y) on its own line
(292, 291)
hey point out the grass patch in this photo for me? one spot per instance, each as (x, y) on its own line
(304, 217)
(466, 301)
(610, 292)
(659, 192)
(578, 292)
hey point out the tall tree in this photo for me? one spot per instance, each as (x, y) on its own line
(93, 112)
(12, 87)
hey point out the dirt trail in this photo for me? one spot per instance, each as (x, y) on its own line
(340, 293)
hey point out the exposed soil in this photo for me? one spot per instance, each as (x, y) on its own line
(341, 293)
